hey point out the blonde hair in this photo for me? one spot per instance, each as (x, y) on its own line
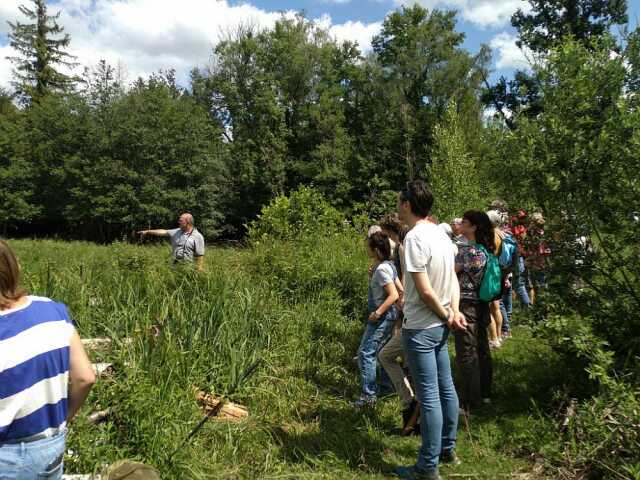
(10, 289)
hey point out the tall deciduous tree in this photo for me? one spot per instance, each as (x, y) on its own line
(551, 20)
(423, 67)
(42, 46)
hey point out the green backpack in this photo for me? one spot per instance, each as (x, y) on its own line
(491, 284)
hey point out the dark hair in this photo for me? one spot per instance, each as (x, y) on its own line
(485, 235)
(419, 197)
(392, 223)
(379, 243)
(10, 290)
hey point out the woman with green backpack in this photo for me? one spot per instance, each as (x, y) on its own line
(480, 282)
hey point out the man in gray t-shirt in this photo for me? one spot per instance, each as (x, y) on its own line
(187, 243)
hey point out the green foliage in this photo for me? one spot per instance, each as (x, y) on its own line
(298, 306)
(573, 160)
(305, 212)
(453, 173)
(42, 50)
(549, 22)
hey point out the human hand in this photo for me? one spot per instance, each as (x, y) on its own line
(457, 321)
(374, 317)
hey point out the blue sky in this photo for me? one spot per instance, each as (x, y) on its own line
(143, 36)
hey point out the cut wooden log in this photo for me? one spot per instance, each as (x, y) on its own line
(103, 369)
(230, 411)
(99, 416)
(94, 343)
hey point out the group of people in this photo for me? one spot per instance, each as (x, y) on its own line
(428, 280)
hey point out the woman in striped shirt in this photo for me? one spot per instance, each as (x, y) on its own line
(45, 377)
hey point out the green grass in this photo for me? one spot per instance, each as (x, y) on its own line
(297, 308)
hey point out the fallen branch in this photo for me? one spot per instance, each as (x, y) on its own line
(229, 411)
(99, 416)
(103, 369)
(94, 343)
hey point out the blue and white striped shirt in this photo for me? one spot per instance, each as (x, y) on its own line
(34, 369)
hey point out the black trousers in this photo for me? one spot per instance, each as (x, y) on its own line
(473, 356)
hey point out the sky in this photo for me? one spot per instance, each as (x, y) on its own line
(145, 36)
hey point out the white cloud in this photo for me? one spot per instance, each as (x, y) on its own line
(149, 35)
(508, 53)
(483, 13)
(356, 31)
(9, 11)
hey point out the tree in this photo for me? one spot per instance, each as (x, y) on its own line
(514, 98)
(41, 45)
(453, 173)
(423, 68)
(549, 21)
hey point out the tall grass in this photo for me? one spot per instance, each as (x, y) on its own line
(296, 305)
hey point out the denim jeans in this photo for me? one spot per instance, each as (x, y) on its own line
(521, 283)
(428, 357)
(375, 336)
(33, 460)
(506, 307)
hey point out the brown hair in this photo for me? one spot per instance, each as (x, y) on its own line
(10, 289)
(392, 223)
(379, 243)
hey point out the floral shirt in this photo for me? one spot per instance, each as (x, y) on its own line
(470, 263)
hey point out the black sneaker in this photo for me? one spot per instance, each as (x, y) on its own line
(450, 458)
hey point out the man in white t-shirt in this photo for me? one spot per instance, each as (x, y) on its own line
(430, 310)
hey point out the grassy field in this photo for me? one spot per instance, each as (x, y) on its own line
(296, 307)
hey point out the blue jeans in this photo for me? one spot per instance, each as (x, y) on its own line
(33, 460)
(521, 283)
(428, 357)
(375, 336)
(506, 307)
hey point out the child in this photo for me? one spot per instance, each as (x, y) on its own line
(381, 314)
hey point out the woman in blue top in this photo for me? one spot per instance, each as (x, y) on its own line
(381, 314)
(45, 377)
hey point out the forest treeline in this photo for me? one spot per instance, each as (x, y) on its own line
(93, 157)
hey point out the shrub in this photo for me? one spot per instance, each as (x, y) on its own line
(303, 212)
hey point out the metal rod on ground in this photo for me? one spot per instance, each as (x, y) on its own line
(214, 411)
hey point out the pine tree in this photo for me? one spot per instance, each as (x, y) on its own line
(41, 45)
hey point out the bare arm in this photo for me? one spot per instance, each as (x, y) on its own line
(81, 376)
(392, 297)
(154, 233)
(428, 296)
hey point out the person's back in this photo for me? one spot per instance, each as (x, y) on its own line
(34, 369)
(428, 249)
(45, 376)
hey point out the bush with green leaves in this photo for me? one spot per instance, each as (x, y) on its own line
(577, 161)
(304, 212)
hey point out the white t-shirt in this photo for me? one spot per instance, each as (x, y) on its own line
(427, 249)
